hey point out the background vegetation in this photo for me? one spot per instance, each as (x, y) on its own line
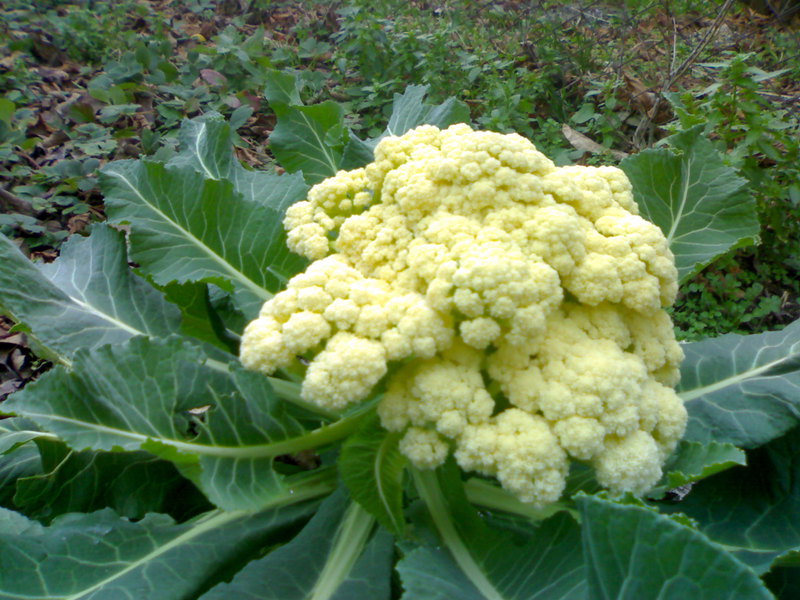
(85, 82)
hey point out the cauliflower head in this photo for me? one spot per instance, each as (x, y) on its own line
(512, 310)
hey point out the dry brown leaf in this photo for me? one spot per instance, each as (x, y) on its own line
(585, 144)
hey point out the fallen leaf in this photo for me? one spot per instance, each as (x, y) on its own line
(213, 77)
(585, 144)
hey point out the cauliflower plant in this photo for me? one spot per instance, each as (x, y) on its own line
(515, 310)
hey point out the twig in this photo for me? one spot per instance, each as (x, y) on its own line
(15, 204)
(678, 73)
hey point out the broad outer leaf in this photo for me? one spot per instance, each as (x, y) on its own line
(701, 204)
(742, 389)
(480, 563)
(19, 457)
(332, 558)
(309, 139)
(15, 432)
(635, 553)
(137, 396)
(755, 508)
(100, 555)
(693, 461)
(372, 468)
(207, 146)
(188, 228)
(86, 298)
(132, 483)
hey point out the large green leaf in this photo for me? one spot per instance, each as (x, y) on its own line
(482, 563)
(86, 298)
(742, 389)
(137, 395)
(332, 558)
(309, 139)
(701, 204)
(372, 468)
(753, 509)
(632, 552)
(132, 483)
(207, 146)
(100, 555)
(188, 228)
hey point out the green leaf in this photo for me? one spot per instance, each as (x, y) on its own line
(632, 552)
(132, 483)
(742, 389)
(309, 139)
(207, 146)
(137, 396)
(86, 298)
(332, 558)
(702, 205)
(753, 510)
(283, 89)
(100, 555)
(222, 429)
(372, 468)
(482, 563)
(694, 461)
(15, 432)
(410, 110)
(187, 228)
(18, 457)
(199, 318)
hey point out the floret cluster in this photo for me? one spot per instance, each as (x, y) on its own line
(513, 310)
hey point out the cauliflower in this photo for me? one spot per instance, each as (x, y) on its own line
(513, 310)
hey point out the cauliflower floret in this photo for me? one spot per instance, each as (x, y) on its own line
(521, 450)
(515, 310)
(344, 372)
(631, 463)
(424, 448)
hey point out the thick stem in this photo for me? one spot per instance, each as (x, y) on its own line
(347, 547)
(430, 491)
(490, 496)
